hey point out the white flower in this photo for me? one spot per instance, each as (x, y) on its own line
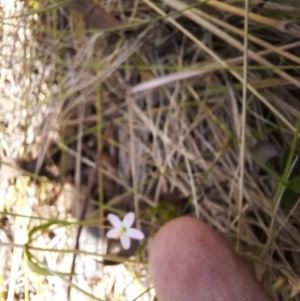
(122, 229)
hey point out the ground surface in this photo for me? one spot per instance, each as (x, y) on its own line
(171, 111)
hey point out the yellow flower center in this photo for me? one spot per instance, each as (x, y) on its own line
(122, 231)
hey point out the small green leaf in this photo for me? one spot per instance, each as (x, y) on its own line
(283, 162)
(33, 263)
(294, 184)
(164, 212)
(288, 199)
(35, 267)
(291, 193)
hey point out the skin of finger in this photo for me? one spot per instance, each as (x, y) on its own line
(189, 261)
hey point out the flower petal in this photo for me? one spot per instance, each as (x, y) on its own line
(114, 220)
(135, 233)
(113, 233)
(128, 220)
(125, 241)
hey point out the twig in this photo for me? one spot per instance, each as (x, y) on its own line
(91, 182)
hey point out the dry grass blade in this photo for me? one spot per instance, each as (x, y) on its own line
(243, 125)
(251, 37)
(288, 27)
(223, 35)
(181, 6)
(205, 69)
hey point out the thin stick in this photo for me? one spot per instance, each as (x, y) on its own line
(91, 181)
(243, 127)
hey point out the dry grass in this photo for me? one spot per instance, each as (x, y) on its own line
(179, 106)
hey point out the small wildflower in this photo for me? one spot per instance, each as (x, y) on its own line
(122, 229)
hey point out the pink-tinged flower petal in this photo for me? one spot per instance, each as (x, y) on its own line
(135, 233)
(125, 241)
(128, 219)
(113, 233)
(114, 220)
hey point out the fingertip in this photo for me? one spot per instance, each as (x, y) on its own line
(188, 261)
